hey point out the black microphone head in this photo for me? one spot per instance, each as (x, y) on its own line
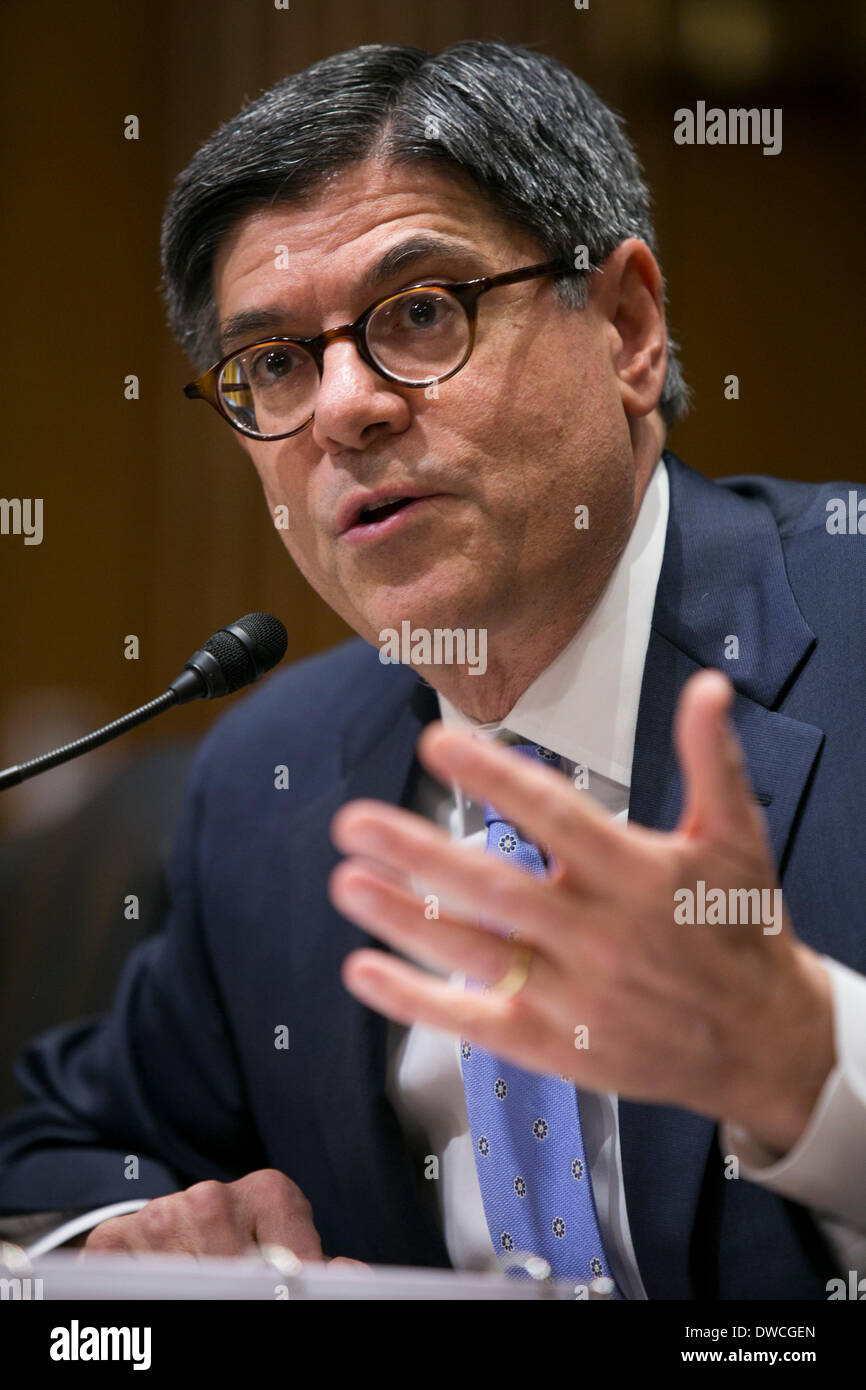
(268, 635)
(237, 655)
(246, 649)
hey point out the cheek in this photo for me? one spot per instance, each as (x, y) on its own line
(533, 395)
(272, 475)
(577, 426)
(558, 438)
(286, 483)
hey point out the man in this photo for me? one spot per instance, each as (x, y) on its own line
(479, 451)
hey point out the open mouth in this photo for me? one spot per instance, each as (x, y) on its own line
(380, 516)
(380, 511)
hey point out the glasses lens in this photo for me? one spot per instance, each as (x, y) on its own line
(269, 389)
(420, 335)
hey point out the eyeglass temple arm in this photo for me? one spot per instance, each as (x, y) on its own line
(513, 277)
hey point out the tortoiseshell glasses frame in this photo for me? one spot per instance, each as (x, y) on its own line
(212, 383)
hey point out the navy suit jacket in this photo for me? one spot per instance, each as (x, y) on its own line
(184, 1073)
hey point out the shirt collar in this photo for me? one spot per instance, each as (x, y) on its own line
(584, 704)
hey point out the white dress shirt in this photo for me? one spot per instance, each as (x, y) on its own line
(584, 707)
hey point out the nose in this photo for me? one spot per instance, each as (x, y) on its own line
(355, 405)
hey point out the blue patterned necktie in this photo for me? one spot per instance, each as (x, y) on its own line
(532, 1168)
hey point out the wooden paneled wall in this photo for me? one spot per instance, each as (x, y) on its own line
(153, 519)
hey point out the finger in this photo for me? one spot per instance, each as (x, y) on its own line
(441, 943)
(153, 1229)
(277, 1213)
(342, 1264)
(549, 810)
(200, 1221)
(504, 1027)
(108, 1238)
(475, 883)
(719, 801)
(290, 1232)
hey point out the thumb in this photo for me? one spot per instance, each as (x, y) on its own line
(719, 801)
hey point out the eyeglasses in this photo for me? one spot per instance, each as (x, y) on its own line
(418, 337)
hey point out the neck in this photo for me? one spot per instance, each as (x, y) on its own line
(511, 659)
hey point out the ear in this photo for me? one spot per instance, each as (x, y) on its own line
(628, 291)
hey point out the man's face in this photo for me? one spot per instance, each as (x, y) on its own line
(531, 427)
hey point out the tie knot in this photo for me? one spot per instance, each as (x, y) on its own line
(538, 753)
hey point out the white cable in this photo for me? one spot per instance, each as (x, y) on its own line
(85, 1222)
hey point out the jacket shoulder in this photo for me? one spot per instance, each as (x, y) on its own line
(299, 707)
(798, 508)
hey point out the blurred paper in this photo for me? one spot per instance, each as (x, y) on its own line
(64, 1275)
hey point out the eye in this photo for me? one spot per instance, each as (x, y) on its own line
(423, 311)
(273, 364)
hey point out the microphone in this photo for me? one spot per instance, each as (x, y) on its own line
(236, 655)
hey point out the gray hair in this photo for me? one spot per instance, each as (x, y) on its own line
(537, 142)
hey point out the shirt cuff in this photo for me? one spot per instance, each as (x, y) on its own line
(826, 1168)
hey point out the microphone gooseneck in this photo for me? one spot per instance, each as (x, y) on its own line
(236, 655)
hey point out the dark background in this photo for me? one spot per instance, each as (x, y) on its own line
(154, 521)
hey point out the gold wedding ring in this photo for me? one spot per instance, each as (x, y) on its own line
(516, 975)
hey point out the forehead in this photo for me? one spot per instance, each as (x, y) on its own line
(340, 229)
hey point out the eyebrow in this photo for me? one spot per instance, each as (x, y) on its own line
(249, 322)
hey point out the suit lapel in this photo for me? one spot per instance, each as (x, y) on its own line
(363, 1141)
(723, 576)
